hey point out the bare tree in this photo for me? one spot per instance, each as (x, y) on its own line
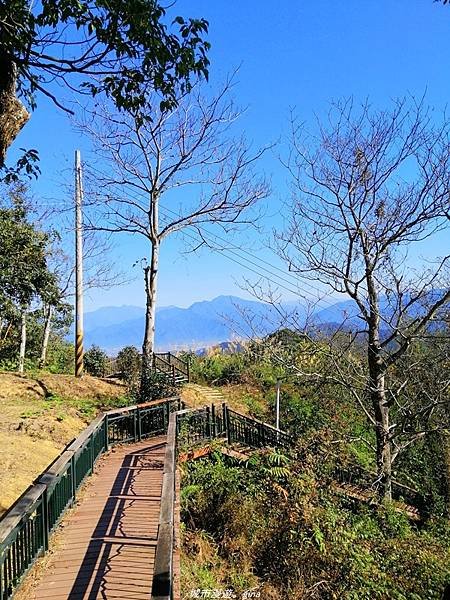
(365, 190)
(182, 168)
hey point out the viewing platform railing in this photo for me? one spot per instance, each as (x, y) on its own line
(25, 528)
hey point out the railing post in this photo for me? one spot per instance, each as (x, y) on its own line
(263, 435)
(213, 421)
(167, 414)
(134, 425)
(165, 422)
(106, 445)
(45, 527)
(208, 422)
(138, 424)
(228, 424)
(91, 452)
(173, 374)
(73, 468)
(224, 418)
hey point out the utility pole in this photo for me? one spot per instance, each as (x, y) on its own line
(78, 267)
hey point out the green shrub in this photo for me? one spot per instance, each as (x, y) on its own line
(218, 369)
(154, 387)
(61, 357)
(95, 361)
(277, 516)
(129, 363)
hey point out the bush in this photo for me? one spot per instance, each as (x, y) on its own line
(279, 519)
(154, 387)
(218, 369)
(95, 361)
(129, 363)
(61, 357)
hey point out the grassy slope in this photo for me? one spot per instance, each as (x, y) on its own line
(41, 414)
(379, 546)
(242, 398)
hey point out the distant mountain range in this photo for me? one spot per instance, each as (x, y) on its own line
(225, 318)
(207, 323)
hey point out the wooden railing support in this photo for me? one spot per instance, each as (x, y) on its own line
(163, 568)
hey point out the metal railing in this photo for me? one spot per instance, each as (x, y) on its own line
(25, 528)
(222, 422)
(162, 584)
(357, 475)
(192, 426)
(171, 365)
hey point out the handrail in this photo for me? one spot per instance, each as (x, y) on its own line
(358, 475)
(142, 405)
(171, 363)
(252, 420)
(209, 416)
(25, 528)
(162, 585)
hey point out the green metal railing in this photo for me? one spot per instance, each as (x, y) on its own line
(171, 366)
(26, 526)
(193, 426)
(357, 475)
(213, 422)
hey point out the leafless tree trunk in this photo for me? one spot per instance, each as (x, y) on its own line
(150, 162)
(23, 340)
(445, 444)
(367, 188)
(48, 314)
(151, 279)
(445, 441)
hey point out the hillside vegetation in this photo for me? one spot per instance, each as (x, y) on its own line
(277, 525)
(41, 414)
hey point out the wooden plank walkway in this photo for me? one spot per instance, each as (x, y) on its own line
(108, 543)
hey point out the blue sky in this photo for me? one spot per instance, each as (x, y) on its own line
(298, 54)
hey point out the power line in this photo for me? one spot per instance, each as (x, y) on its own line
(236, 252)
(263, 275)
(216, 236)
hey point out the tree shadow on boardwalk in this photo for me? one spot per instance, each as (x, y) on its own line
(118, 560)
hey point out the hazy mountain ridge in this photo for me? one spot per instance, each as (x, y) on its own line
(201, 324)
(206, 323)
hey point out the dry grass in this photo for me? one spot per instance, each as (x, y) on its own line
(21, 459)
(18, 388)
(202, 568)
(245, 398)
(241, 398)
(194, 395)
(40, 416)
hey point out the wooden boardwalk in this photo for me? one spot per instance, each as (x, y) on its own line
(108, 543)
